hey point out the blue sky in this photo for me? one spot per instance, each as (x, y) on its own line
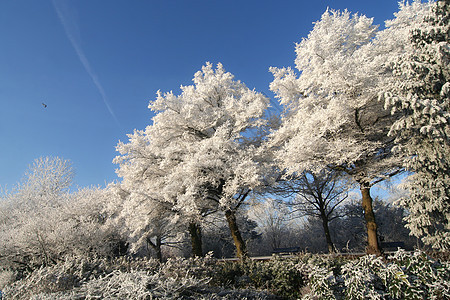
(96, 64)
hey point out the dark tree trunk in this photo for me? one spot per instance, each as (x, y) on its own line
(326, 229)
(196, 239)
(157, 247)
(241, 249)
(372, 236)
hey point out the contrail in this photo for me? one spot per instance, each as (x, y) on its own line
(70, 29)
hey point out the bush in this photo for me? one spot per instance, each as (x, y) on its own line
(72, 273)
(6, 277)
(402, 276)
(127, 279)
(279, 276)
(322, 276)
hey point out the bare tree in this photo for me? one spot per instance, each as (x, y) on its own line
(316, 195)
(274, 219)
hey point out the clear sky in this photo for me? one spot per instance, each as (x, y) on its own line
(96, 64)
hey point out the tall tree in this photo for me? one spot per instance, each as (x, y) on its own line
(333, 118)
(418, 89)
(197, 154)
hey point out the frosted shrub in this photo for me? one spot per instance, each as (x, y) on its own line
(72, 273)
(128, 279)
(199, 267)
(361, 278)
(321, 282)
(122, 278)
(279, 276)
(60, 277)
(120, 285)
(137, 285)
(418, 276)
(403, 276)
(6, 277)
(324, 281)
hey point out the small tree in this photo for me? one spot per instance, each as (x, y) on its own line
(47, 177)
(27, 237)
(144, 220)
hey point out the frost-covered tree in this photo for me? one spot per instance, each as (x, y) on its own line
(333, 117)
(24, 228)
(42, 222)
(147, 222)
(83, 224)
(418, 89)
(349, 230)
(47, 177)
(197, 154)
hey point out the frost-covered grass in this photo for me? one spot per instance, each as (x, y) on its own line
(400, 276)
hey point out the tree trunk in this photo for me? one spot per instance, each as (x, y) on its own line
(326, 229)
(196, 239)
(156, 246)
(372, 236)
(241, 250)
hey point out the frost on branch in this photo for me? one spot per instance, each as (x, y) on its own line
(43, 222)
(197, 154)
(333, 117)
(146, 221)
(417, 90)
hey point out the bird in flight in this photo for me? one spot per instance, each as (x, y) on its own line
(44, 105)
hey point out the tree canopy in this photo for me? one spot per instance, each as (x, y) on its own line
(197, 154)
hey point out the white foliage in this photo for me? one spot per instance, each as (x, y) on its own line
(194, 155)
(42, 221)
(333, 116)
(48, 176)
(371, 102)
(416, 89)
(143, 219)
